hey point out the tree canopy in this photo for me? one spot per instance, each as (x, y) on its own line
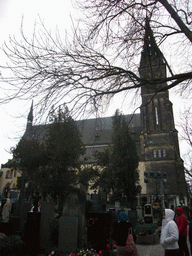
(117, 165)
(125, 158)
(103, 58)
(51, 165)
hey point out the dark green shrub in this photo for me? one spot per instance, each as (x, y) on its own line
(11, 244)
(145, 229)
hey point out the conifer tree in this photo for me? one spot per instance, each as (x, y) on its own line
(124, 158)
(50, 164)
(117, 166)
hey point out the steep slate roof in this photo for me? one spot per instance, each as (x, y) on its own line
(96, 133)
(36, 132)
(99, 131)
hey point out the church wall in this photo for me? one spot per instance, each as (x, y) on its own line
(175, 184)
(9, 176)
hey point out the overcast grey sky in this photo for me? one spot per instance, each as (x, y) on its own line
(54, 13)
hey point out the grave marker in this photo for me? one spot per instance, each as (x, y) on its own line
(68, 233)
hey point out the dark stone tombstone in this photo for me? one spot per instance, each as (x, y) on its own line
(148, 219)
(98, 230)
(133, 217)
(148, 209)
(15, 222)
(68, 234)
(95, 202)
(47, 216)
(72, 221)
(22, 211)
(103, 201)
(26, 209)
(32, 231)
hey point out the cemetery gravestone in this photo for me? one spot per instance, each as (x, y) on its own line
(47, 216)
(68, 233)
(95, 202)
(148, 214)
(72, 222)
(133, 217)
(98, 230)
(32, 231)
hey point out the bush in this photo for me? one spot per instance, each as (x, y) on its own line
(145, 229)
(11, 244)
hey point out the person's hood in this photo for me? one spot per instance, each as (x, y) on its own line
(123, 217)
(180, 210)
(169, 215)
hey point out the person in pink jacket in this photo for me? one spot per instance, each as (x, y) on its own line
(182, 227)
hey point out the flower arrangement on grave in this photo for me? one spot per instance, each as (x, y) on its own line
(80, 252)
(84, 252)
(145, 229)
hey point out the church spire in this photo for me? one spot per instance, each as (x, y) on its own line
(151, 54)
(30, 116)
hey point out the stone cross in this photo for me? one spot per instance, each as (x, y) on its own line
(138, 199)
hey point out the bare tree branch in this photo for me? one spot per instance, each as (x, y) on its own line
(103, 58)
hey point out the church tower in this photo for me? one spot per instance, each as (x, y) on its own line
(159, 139)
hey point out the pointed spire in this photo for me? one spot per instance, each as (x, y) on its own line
(151, 51)
(30, 115)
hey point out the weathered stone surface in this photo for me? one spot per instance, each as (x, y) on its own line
(68, 233)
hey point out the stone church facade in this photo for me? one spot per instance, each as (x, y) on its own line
(153, 129)
(159, 147)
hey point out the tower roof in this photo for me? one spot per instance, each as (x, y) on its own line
(30, 115)
(151, 51)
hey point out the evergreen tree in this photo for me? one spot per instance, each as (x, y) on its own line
(117, 166)
(124, 158)
(50, 165)
(105, 175)
(63, 147)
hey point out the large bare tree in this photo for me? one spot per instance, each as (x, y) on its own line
(185, 126)
(103, 58)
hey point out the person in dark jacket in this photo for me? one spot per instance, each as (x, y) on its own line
(182, 227)
(120, 233)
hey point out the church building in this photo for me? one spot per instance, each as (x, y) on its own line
(161, 168)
